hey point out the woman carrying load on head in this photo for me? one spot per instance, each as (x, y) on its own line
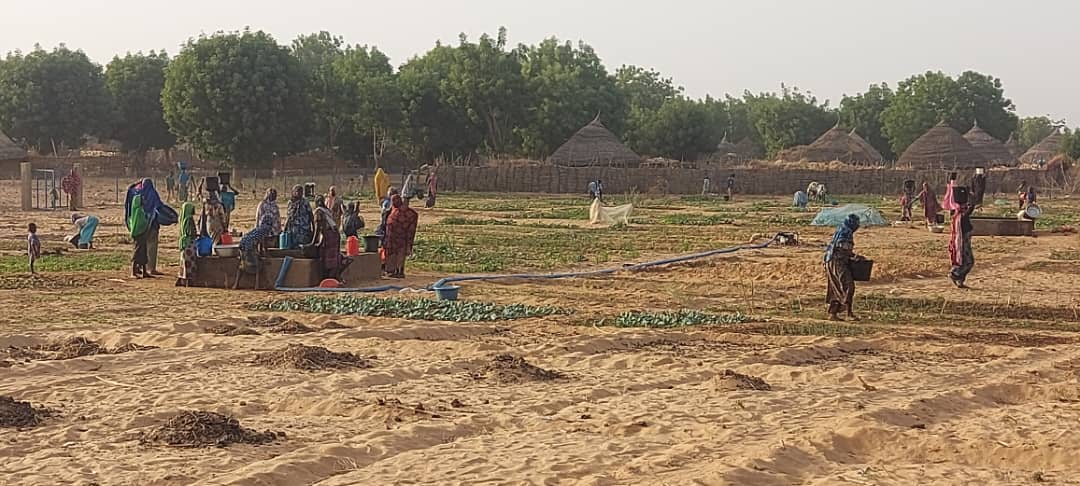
(400, 234)
(85, 227)
(299, 223)
(188, 233)
(838, 257)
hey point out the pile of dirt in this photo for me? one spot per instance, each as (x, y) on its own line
(291, 327)
(73, 347)
(130, 348)
(227, 330)
(514, 369)
(311, 358)
(259, 321)
(333, 325)
(732, 380)
(205, 429)
(14, 413)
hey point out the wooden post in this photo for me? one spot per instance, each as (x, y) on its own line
(27, 188)
(78, 196)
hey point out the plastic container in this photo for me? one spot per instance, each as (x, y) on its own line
(226, 238)
(283, 241)
(1032, 212)
(861, 270)
(204, 246)
(371, 244)
(352, 246)
(449, 292)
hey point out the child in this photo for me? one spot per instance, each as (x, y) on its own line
(33, 246)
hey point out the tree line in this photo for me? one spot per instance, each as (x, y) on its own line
(243, 98)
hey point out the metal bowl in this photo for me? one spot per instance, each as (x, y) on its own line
(227, 251)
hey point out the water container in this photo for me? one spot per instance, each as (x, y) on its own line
(352, 246)
(449, 292)
(283, 241)
(1032, 212)
(226, 239)
(371, 244)
(204, 246)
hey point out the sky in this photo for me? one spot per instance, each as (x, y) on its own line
(828, 47)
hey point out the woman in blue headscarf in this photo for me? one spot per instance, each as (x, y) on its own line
(158, 215)
(838, 257)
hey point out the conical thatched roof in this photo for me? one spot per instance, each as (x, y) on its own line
(1044, 150)
(942, 147)
(866, 146)
(594, 144)
(724, 150)
(9, 150)
(991, 148)
(835, 144)
(1013, 147)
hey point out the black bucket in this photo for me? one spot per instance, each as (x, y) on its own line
(861, 270)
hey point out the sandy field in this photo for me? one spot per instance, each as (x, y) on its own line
(934, 386)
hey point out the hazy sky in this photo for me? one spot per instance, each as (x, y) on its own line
(829, 47)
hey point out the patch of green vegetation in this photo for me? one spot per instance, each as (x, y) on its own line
(558, 213)
(1054, 219)
(897, 308)
(1065, 255)
(416, 309)
(672, 319)
(84, 261)
(447, 255)
(831, 329)
(682, 219)
(459, 221)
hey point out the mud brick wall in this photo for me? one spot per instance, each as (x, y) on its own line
(763, 181)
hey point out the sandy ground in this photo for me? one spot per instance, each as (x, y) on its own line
(922, 400)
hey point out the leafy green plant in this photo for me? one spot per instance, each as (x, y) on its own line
(673, 319)
(695, 219)
(459, 221)
(69, 262)
(419, 309)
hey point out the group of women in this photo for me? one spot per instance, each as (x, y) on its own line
(840, 253)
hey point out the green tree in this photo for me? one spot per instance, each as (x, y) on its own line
(681, 129)
(485, 81)
(374, 102)
(789, 119)
(1070, 144)
(433, 127)
(569, 86)
(862, 113)
(328, 94)
(52, 98)
(922, 101)
(135, 82)
(645, 88)
(1032, 130)
(238, 97)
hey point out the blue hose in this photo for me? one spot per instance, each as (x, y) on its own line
(278, 284)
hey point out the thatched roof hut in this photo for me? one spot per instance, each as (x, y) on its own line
(725, 150)
(1044, 150)
(1013, 147)
(835, 144)
(9, 150)
(593, 145)
(866, 146)
(991, 148)
(942, 147)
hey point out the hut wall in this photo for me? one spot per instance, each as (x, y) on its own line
(763, 181)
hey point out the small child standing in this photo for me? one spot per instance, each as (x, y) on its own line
(33, 246)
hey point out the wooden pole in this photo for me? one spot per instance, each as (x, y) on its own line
(26, 171)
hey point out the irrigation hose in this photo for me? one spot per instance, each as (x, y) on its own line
(444, 282)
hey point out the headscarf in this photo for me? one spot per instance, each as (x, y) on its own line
(268, 215)
(400, 226)
(150, 199)
(845, 233)
(188, 232)
(75, 217)
(299, 224)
